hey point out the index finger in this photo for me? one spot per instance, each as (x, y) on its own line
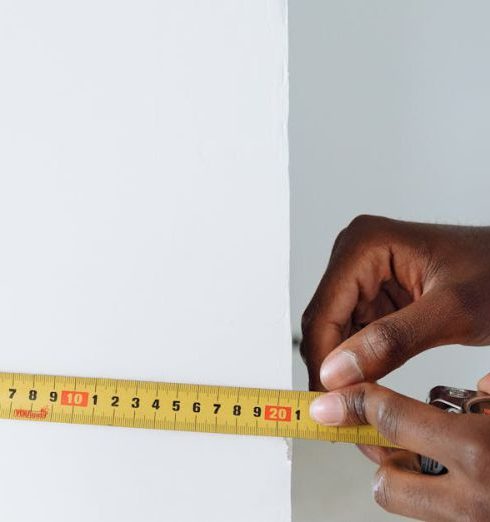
(325, 321)
(351, 275)
(408, 423)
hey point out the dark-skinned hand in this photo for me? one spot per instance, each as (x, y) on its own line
(393, 289)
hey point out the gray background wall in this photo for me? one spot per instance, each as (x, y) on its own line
(390, 114)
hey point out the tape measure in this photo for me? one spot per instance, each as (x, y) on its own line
(170, 406)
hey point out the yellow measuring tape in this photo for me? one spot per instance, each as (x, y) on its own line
(170, 406)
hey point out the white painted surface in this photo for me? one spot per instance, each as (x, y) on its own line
(390, 115)
(144, 234)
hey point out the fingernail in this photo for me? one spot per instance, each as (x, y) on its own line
(328, 409)
(340, 370)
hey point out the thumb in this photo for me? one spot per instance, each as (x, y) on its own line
(484, 384)
(389, 342)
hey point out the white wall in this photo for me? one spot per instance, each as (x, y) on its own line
(390, 115)
(144, 234)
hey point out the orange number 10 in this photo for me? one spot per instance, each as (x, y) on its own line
(74, 398)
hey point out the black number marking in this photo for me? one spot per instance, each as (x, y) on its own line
(237, 410)
(53, 396)
(115, 401)
(257, 411)
(32, 395)
(216, 407)
(94, 399)
(298, 414)
(12, 392)
(176, 405)
(196, 407)
(135, 403)
(156, 404)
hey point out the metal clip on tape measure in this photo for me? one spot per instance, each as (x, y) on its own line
(453, 400)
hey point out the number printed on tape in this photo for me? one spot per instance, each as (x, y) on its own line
(278, 413)
(74, 398)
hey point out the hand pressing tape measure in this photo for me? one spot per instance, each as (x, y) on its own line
(171, 406)
(196, 408)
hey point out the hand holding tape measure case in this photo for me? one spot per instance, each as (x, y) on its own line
(453, 400)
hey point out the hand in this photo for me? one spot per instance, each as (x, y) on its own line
(460, 442)
(391, 290)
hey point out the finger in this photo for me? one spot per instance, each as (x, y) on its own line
(403, 460)
(399, 489)
(484, 384)
(315, 346)
(367, 312)
(324, 327)
(408, 423)
(327, 319)
(390, 298)
(386, 344)
(398, 295)
(375, 454)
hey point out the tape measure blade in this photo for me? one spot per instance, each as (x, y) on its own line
(170, 406)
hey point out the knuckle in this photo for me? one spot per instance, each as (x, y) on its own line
(364, 222)
(339, 240)
(304, 350)
(305, 321)
(390, 340)
(388, 417)
(305, 345)
(363, 231)
(366, 226)
(307, 318)
(382, 489)
(355, 406)
(309, 331)
(356, 231)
